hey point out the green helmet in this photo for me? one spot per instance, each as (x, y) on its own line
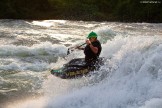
(92, 34)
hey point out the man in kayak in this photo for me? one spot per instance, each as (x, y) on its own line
(92, 49)
(77, 67)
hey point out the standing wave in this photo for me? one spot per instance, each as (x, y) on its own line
(35, 58)
(134, 78)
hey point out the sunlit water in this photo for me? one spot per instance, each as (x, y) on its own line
(130, 78)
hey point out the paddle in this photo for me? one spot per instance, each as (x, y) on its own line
(68, 52)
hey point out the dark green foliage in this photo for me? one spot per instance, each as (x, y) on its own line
(98, 10)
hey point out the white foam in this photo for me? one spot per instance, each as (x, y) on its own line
(105, 33)
(29, 103)
(153, 103)
(131, 82)
(48, 23)
(34, 58)
(45, 48)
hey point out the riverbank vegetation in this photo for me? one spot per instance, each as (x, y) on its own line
(89, 10)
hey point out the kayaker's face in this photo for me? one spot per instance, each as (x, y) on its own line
(92, 39)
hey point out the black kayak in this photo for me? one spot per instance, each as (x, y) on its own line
(77, 68)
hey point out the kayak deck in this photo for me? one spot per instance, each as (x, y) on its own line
(76, 68)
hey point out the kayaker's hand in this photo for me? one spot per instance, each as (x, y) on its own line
(88, 42)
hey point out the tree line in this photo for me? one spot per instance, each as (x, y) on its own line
(89, 10)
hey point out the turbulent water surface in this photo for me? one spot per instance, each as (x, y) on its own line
(130, 78)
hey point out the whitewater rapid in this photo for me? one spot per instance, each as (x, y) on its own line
(130, 78)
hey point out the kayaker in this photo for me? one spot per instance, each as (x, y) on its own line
(93, 48)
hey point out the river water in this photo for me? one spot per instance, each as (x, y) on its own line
(130, 78)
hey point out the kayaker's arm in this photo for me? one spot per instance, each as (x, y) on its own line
(94, 49)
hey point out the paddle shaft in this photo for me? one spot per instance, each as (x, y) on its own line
(68, 52)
